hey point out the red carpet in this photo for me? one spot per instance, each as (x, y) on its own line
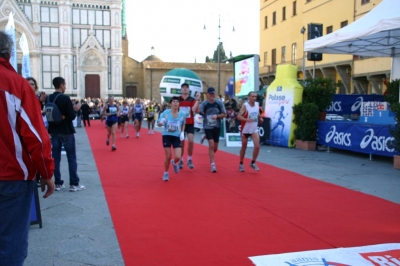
(200, 218)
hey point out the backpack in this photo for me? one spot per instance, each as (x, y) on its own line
(53, 113)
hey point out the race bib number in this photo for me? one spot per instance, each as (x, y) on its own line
(172, 126)
(211, 121)
(151, 114)
(253, 116)
(186, 110)
(113, 110)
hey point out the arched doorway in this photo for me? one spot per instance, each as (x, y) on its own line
(92, 86)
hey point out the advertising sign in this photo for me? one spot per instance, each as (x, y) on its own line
(246, 77)
(170, 84)
(379, 255)
(280, 96)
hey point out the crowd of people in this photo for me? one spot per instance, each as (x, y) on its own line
(37, 126)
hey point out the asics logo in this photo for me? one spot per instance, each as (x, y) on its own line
(357, 105)
(339, 138)
(378, 143)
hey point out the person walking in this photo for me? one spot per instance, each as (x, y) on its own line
(25, 150)
(189, 106)
(125, 111)
(173, 121)
(212, 111)
(150, 113)
(250, 115)
(111, 112)
(138, 110)
(85, 114)
(62, 134)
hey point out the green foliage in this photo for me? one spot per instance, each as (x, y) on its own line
(319, 91)
(222, 54)
(305, 116)
(392, 93)
(392, 97)
(208, 60)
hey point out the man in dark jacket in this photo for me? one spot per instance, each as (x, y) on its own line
(24, 150)
(85, 113)
(62, 134)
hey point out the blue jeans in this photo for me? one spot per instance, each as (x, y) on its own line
(15, 205)
(68, 141)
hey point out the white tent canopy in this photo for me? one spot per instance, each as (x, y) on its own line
(375, 34)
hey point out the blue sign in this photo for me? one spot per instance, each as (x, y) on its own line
(363, 138)
(229, 88)
(351, 104)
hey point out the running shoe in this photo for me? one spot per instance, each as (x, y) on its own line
(190, 164)
(213, 168)
(113, 148)
(203, 137)
(165, 177)
(107, 142)
(76, 188)
(137, 134)
(241, 167)
(180, 164)
(149, 132)
(176, 167)
(127, 136)
(59, 187)
(254, 166)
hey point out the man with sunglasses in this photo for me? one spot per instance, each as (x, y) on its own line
(250, 115)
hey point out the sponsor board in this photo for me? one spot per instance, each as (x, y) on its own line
(370, 139)
(235, 140)
(351, 104)
(378, 255)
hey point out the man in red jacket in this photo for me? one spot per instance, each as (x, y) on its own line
(24, 150)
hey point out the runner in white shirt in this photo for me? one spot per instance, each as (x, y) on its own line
(125, 110)
(250, 116)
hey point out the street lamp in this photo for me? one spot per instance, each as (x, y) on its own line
(303, 31)
(219, 52)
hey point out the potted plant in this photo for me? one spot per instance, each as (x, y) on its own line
(305, 117)
(319, 91)
(392, 97)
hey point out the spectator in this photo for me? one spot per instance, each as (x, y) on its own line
(25, 150)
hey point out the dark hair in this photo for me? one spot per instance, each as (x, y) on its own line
(174, 98)
(185, 84)
(57, 82)
(34, 81)
(6, 44)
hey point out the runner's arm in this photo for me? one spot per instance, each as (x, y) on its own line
(241, 114)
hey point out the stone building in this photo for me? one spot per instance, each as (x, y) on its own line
(78, 40)
(142, 79)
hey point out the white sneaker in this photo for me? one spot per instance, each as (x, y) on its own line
(59, 187)
(137, 134)
(76, 188)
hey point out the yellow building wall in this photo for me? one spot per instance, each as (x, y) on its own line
(286, 32)
(372, 65)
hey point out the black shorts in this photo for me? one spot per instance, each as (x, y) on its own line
(110, 123)
(124, 119)
(212, 134)
(150, 118)
(189, 129)
(171, 140)
(138, 117)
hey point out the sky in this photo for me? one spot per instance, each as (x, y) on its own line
(175, 28)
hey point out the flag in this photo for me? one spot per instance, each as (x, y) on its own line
(10, 30)
(26, 64)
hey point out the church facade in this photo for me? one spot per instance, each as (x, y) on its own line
(81, 42)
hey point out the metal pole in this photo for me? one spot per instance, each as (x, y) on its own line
(219, 68)
(304, 61)
(219, 53)
(313, 73)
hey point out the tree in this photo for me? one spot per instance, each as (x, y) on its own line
(208, 60)
(215, 57)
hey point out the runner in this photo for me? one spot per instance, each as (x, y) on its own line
(111, 112)
(212, 111)
(173, 121)
(125, 119)
(150, 112)
(189, 106)
(249, 114)
(138, 110)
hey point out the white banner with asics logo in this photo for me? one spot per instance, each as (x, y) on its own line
(378, 255)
